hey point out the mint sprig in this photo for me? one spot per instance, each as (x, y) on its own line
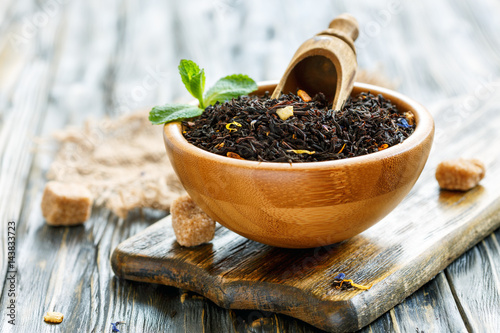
(171, 112)
(231, 86)
(193, 79)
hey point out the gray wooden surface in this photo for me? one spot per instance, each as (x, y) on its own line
(62, 61)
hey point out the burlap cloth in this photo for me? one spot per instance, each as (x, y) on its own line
(122, 161)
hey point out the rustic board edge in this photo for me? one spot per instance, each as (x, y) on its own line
(282, 299)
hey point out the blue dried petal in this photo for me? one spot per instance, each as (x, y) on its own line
(114, 327)
(403, 123)
(341, 276)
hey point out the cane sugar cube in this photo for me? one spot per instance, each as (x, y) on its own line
(66, 204)
(460, 174)
(191, 225)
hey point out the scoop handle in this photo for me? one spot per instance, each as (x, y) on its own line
(325, 63)
(346, 25)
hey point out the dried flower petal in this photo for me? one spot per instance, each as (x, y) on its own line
(339, 282)
(359, 286)
(114, 326)
(301, 151)
(228, 126)
(403, 123)
(234, 155)
(384, 146)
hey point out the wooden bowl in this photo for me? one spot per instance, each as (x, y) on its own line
(303, 205)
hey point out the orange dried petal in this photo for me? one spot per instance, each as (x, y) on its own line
(342, 148)
(384, 146)
(234, 155)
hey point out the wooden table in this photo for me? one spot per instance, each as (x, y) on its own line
(62, 61)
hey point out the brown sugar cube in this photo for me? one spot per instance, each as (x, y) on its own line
(191, 225)
(53, 317)
(460, 174)
(66, 204)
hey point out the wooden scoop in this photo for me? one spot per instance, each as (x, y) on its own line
(325, 63)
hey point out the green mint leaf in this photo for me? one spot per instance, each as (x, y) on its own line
(230, 87)
(193, 78)
(173, 112)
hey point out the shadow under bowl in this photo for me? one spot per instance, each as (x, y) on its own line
(303, 205)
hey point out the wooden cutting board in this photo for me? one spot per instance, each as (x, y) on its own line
(424, 234)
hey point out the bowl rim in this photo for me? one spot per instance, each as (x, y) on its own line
(425, 127)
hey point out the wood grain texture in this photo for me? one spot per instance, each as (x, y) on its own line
(324, 63)
(94, 58)
(422, 236)
(437, 310)
(31, 77)
(480, 309)
(303, 205)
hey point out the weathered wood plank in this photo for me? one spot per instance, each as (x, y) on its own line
(455, 52)
(58, 250)
(474, 279)
(431, 61)
(22, 110)
(437, 311)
